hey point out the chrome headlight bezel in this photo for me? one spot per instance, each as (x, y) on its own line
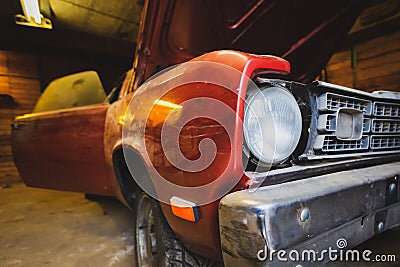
(283, 116)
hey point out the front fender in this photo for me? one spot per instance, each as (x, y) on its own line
(223, 77)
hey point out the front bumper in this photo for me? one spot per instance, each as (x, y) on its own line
(309, 214)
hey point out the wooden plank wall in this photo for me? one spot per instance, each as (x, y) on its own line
(19, 79)
(377, 65)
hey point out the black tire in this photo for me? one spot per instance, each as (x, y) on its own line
(155, 243)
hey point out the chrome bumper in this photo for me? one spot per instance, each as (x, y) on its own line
(309, 214)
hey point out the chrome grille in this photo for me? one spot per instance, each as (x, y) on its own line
(330, 123)
(366, 125)
(386, 126)
(331, 144)
(339, 115)
(386, 109)
(333, 102)
(385, 141)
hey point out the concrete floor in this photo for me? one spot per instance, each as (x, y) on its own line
(41, 227)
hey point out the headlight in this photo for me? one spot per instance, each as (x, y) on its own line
(272, 124)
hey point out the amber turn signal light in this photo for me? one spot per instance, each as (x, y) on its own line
(184, 209)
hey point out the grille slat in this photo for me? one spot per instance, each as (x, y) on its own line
(330, 123)
(385, 141)
(332, 144)
(382, 109)
(385, 126)
(333, 102)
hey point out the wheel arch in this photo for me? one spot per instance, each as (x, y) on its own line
(130, 190)
(128, 185)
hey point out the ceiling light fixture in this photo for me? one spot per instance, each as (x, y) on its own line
(32, 15)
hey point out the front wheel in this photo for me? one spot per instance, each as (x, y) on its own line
(155, 243)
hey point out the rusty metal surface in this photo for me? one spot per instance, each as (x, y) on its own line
(336, 204)
(305, 33)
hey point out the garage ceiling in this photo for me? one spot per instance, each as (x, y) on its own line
(116, 19)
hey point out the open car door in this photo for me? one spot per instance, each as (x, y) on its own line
(60, 145)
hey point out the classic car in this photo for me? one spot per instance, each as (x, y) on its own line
(220, 140)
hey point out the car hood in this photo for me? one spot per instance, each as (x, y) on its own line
(306, 33)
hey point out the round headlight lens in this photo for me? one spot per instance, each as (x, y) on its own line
(272, 124)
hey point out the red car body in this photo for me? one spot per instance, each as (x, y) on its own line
(80, 149)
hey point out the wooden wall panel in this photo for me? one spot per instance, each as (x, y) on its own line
(19, 79)
(377, 65)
